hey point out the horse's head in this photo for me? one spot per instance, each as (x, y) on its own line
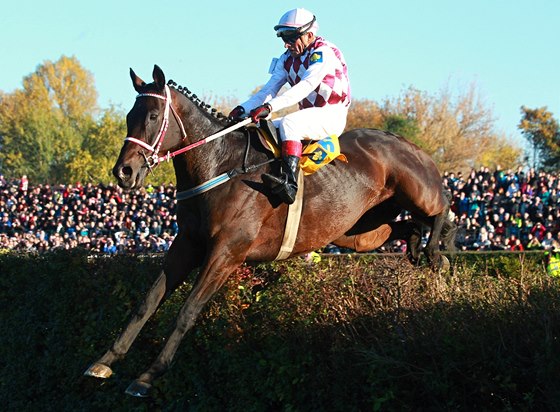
(147, 130)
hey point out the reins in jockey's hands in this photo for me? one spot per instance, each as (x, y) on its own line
(260, 112)
(237, 113)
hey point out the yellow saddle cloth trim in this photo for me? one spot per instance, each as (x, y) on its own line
(315, 155)
(321, 153)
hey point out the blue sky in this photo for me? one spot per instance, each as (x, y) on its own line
(509, 49)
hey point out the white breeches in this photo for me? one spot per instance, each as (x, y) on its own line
(314, 123)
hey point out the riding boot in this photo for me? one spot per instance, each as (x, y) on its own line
(285, 185)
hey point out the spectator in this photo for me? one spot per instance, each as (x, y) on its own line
(553, 261)
(548, 241)
(539, 231)
(533, 243)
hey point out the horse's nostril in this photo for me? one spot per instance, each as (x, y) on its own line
(126, 171)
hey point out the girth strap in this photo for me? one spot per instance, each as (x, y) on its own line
(292, 223)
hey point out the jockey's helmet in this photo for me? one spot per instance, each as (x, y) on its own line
(294, 23)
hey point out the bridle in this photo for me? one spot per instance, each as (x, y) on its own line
(153, 158)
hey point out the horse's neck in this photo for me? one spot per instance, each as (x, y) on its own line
(209, 159)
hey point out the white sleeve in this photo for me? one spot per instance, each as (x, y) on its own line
(312, 77)
(277, 79)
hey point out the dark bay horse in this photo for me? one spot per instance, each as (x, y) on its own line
(349, 204)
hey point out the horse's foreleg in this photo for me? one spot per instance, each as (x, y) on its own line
(102, 368)
(177, 267)
(210, 279)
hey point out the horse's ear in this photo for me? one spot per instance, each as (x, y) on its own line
(159, 77)
(137, 82)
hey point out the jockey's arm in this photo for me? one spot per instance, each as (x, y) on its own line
(270, 89)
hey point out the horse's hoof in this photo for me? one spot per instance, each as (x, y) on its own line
(139, 389)
(98, 370)
(445, 265)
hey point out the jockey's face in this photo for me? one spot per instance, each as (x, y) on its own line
(297, 48)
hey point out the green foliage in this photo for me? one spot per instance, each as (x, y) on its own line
(99, 150)
(542, 131)
(403, 126)
(43, 125)
(53, 132)
(347, 333)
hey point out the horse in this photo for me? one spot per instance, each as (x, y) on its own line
(351, 204)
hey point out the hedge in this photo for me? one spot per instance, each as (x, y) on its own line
(349, 333)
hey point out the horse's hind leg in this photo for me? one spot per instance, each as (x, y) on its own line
(432, 249)
(404, 230)
(448, 234)
(414, 242)
(178, 264)
(211, 278)
(364, 242)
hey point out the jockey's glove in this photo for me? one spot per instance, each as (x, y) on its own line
(260, 112)
(237, 113)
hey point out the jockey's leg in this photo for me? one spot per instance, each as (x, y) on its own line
(314, 123)
(286, 185)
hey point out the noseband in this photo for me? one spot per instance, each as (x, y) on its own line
(153, 158)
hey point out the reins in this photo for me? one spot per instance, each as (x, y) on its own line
(154, 158)
(224, 177)
(154, 148)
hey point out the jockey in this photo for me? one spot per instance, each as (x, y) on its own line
(316, 71)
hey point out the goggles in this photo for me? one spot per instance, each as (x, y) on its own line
(290, 35)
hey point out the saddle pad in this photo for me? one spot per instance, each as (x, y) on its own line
(315, 155)
(321, 153)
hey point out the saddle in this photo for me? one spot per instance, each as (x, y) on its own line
(315, 154)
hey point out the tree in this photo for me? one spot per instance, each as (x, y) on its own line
(402, 125)
(457, 131)
(99, 150)
(364, 113)
(43, 125)
(543, 133)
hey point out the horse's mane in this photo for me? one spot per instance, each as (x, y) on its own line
(206, 108)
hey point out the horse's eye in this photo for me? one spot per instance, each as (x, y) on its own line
(153, 116)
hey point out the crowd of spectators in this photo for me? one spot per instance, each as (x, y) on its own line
(100, 218)
(494, 210)
(505, 209)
